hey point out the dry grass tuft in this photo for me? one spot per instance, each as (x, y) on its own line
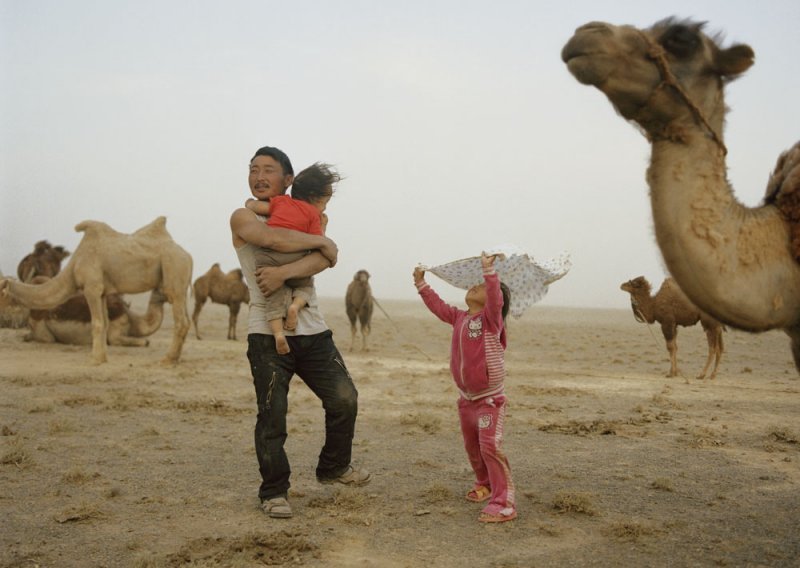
(76, 476)
(631, 531)
(79, 514)
(574, 502)
(429, 423)
(61, 427)
(662, 484)
(437, 493)
(783, 435)
(17, 455)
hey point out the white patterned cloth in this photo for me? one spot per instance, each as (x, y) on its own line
(527, 279)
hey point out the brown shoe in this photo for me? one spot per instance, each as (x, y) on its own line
(277, 508)
(352, 476)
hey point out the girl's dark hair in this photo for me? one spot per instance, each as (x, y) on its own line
(315, 182)
(277, 155)
(506, 299)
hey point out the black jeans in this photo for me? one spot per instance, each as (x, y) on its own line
(315, 359)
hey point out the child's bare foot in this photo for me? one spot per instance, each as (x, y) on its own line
(291, 318)
(281, 345)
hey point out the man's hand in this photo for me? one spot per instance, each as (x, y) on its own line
(269, 279)
(330, 251)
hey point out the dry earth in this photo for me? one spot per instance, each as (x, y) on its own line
(134, 464)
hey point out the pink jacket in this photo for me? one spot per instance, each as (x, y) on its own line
(477, 360)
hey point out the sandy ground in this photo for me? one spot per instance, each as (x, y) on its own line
(135, 464)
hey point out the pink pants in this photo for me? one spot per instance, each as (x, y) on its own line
(482, 424)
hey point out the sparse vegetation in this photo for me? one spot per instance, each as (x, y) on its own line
(574, 502)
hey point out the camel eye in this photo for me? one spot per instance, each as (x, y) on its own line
(680, 41)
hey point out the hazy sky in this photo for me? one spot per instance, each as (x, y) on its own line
(455, 122)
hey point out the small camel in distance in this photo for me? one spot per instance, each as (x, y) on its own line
(671, 308)
(109, 262)
(227, 289)
(359, 304)
(45, 260)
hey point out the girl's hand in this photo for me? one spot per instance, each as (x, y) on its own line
(487, 261)
(419, 275)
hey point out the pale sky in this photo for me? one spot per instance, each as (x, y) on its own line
(455, 122)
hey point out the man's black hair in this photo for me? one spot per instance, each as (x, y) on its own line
(277, 155)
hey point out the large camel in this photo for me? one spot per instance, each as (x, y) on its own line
(45, 260)
(70, 323)
(359, 305)
(228, 289)
(733, 262)
(108, 262)
(670, 307)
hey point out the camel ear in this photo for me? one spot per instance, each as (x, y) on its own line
(735, 60)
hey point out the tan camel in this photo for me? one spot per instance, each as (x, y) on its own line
(108, 262)
(70, 323)
(227, 289)
(45, 260)
(359, 304)
(732, 261)
(670, 307)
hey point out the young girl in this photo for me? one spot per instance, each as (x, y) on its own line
(303, 211)
(478, 368)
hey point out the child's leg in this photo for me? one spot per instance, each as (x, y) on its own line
(281, 345)
(467, 412)
(491, 421)
(300, 297)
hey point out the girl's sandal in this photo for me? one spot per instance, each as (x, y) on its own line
(497, 518)
(478, 493)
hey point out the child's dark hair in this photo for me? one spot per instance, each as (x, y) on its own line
(506, 299)
(315, 182)
(277, 155)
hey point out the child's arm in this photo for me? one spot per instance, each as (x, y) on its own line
(257, 206)
(493, 310)
(435, 304)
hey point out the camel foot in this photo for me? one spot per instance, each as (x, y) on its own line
(168, 362)
(281, 345)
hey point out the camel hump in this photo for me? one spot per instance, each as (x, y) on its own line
(92, 227)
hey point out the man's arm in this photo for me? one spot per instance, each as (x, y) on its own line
(247, 228)
(270, 278)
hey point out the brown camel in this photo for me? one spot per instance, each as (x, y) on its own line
(45, 260)
(227, 289)
(359, 304)
(108, 262)
(733, 262)
(670, 307)
(70, 323)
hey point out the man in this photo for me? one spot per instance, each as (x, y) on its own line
(312, 356)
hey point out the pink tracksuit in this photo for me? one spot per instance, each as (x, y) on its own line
(478, 366)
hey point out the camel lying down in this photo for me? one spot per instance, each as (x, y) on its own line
(108, 262)
(70, 323)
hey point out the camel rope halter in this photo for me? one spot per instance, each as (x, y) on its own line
(659, 56)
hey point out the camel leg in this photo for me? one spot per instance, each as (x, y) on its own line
(712, 349)
(794, 335)
(99, 313)
(198, 305)
(718, 349)
(365, 329)
(670, 332)
(181, 321)
(232, 321)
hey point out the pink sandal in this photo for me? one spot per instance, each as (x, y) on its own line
(478, 494)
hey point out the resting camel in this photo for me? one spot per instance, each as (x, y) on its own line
(228, 289)
(670, 307)
(70, 323)
(108, 262)
(45, 260)
(359, 303)
(734, 262)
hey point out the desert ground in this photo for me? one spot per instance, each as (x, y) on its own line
(132, 463)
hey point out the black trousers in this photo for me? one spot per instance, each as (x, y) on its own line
(315, 359)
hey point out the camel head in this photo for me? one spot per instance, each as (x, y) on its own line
(60, 253)
(361, 276)
(656, 76)
(638, 288)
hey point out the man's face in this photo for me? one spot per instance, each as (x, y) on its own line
(267, 179)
